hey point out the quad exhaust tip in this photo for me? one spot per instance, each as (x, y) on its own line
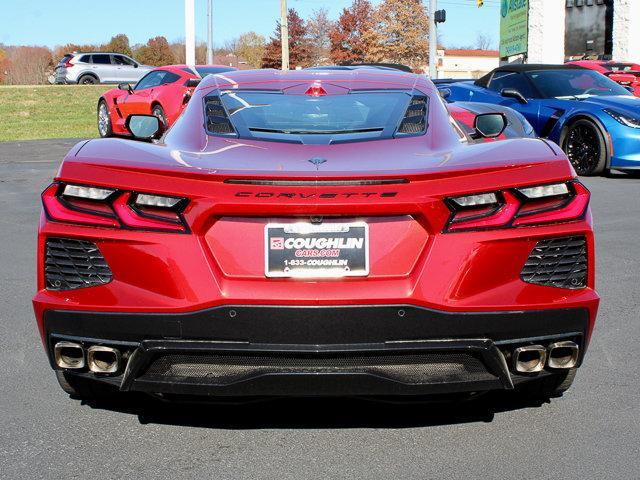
(103, 359)
(69, 355)
(563, 355)
(529, 359)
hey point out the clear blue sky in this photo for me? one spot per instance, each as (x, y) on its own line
(56, 22)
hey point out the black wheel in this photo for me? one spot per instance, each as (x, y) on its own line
(585, 146)
(550, 386)
(104, 120)
(87, 80)
(157, 111)
(84, 389)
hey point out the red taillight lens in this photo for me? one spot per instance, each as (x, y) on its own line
(68, 63)
(134, 217)
(535, 205)
(61, 209)
(110, 208)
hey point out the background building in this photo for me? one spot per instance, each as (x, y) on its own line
(463, 63)
(552, 31)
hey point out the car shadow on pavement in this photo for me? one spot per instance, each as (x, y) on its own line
(319, 412)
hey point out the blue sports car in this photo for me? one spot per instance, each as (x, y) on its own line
(595, 120)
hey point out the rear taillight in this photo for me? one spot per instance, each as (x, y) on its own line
(539, 204)
(105, 207)
(68, 63)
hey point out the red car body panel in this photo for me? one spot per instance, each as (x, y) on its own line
(221, 260)
(627, 74)
(171, 97)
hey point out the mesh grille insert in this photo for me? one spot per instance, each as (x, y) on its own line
(558, 262)
(415, 118)
(71, 264)
(217, 119)
(223, 369)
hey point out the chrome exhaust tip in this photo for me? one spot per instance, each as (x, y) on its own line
(563, 355)
(103, 359)
(68, 355)
(529, 359)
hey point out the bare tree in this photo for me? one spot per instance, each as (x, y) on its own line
(318, 27)
(484, 41)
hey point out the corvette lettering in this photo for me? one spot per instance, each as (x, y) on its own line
(305, 196)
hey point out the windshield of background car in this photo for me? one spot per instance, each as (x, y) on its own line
(574, 83)
(353, 116)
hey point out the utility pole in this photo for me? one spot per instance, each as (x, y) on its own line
(284, 34)
(190, 32)
(209, 32)
(433, 39)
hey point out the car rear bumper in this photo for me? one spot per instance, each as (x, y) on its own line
(290, 350)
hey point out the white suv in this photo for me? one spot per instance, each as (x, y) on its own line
(99, 67)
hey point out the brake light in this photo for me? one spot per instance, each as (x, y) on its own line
(316, 90)
(133, 217)
(68, 63)
(105, 207)
(540, 204)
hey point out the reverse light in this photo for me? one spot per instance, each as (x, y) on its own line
(89, 193)
(158, 201)
(623, 118)
(535, 205)
(476, 200)
(544, 191)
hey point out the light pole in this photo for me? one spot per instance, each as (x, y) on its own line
(209, 32)
(284, 34)
(433, 39)
(190, 32)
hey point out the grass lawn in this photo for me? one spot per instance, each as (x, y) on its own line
(49, 111)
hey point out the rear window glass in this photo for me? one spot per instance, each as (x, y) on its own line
(361, 113)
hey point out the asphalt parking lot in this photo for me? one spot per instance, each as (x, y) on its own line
(591, 432)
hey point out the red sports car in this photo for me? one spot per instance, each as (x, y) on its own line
(163, 92)
(315, 233)
(627, 74)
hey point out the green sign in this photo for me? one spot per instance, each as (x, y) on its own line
(514, 27)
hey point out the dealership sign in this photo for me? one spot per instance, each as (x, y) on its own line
(514, 27)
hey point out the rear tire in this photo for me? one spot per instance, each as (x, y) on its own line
(585, 146)
(158, 111)
(550, 386)
(87, 80)
(84, 389)
(105, 128)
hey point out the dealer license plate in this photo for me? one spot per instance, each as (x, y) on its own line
(316, 250)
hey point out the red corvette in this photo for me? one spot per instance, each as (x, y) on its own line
(163, 92)
(315, 233)
(627, 74)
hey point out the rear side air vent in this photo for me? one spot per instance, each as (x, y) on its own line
(558, 262)
(218, 121)
(71, 264)
(415, 117)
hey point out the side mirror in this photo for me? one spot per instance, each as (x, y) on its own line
(629, 88)
(144, 127)
(489, 125)
(135, 65)
(126, 87)
(513, 93)
(444, 92)
(192, 82)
